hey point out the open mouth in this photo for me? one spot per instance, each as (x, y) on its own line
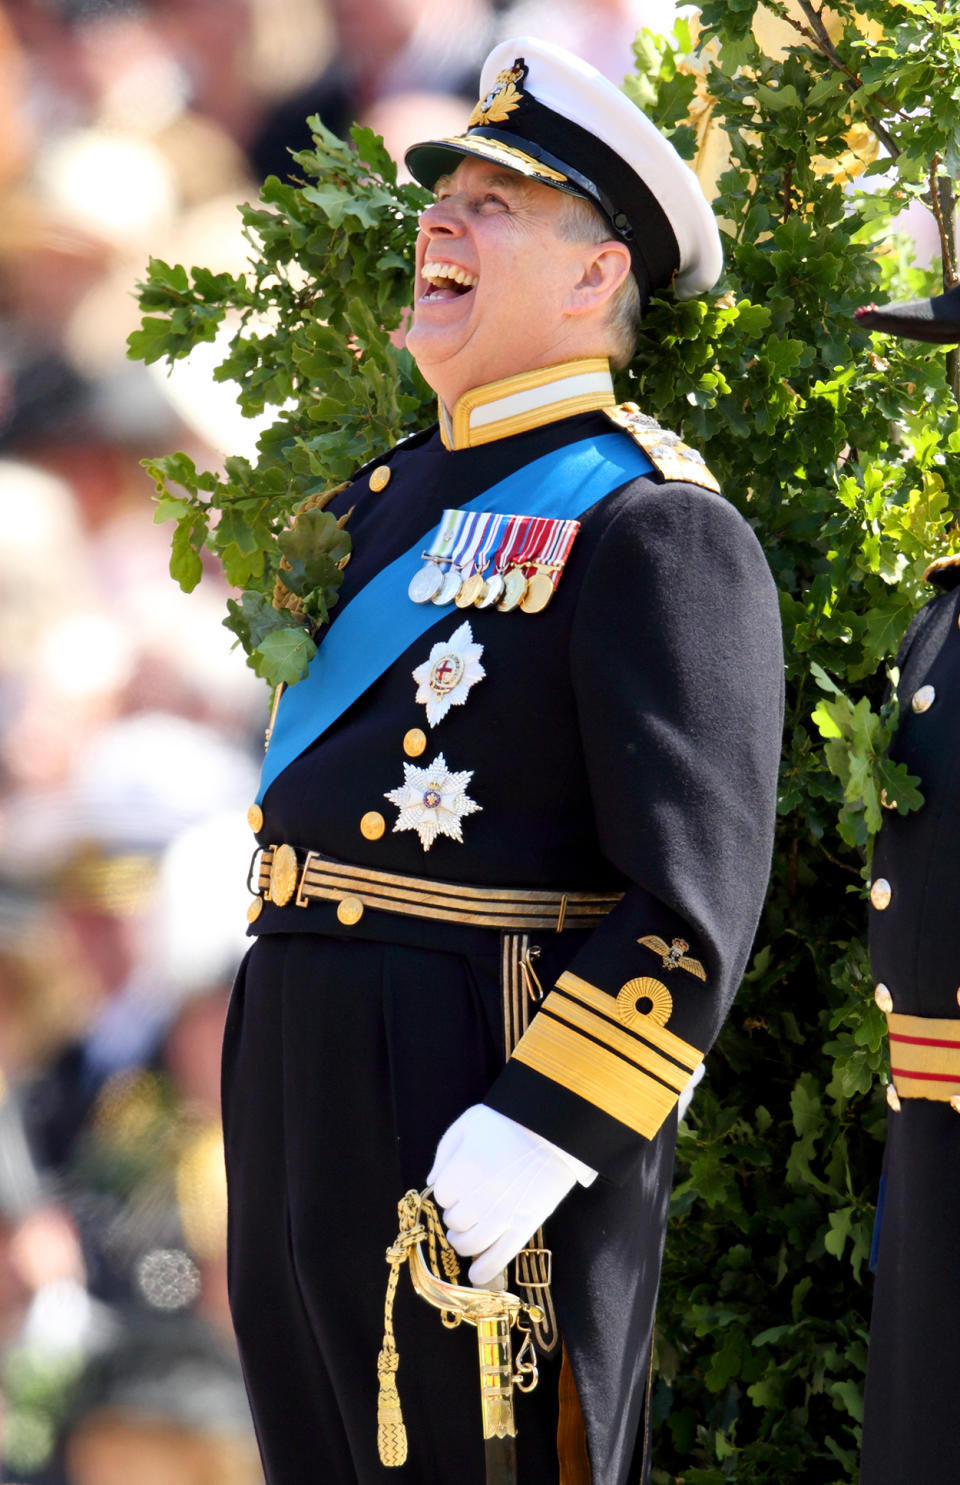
(446, 281)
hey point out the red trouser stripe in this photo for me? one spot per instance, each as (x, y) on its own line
(906, 1072)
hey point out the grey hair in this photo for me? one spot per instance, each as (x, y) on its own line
(580, 221)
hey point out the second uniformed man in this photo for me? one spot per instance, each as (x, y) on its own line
(536, 752)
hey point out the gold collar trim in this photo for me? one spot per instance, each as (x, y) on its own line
(530, 400)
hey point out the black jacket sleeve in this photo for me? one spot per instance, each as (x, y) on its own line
(677, 666)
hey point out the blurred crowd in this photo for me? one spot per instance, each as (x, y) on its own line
(130, 734)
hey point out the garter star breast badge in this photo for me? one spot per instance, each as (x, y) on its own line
(445, 679)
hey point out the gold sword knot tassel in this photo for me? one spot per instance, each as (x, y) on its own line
(493, 1312)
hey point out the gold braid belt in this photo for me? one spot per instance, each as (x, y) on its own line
(286, 874)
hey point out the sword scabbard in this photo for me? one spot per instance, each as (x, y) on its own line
(496, 1377)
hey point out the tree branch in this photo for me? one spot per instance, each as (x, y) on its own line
(819, 37)
(943, 202)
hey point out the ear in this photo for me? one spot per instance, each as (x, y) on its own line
(605, 265)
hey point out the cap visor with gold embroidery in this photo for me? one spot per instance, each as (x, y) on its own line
(547, 115)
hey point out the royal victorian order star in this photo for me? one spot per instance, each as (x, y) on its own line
(433, 801)
(445, 679)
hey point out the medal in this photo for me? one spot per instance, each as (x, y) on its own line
(538, 594)
(426, 583)
(478, 530)
(549, 564)
(515, 580)
(514, 587)
(473, 584)
(449, 587)
(491, 591)
(470, 590)
(457, 556)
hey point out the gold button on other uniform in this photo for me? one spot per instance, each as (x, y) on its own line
(880, 894)
(415, 742)
(923, 699)
(379, 478)
(255, 818)
(883, 998)
(350, 911)
(254, 910)
(372, 825)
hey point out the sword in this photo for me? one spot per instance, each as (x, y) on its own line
(493, 1312)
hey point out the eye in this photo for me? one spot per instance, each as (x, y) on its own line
(491, 199)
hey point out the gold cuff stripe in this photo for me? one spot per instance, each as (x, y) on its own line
(924, 1056)
(561, 1053)
(593, 1030)
(604, 1006)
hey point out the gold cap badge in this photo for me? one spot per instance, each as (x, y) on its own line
(503, 98)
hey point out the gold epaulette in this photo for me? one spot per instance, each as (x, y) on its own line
(944, 572)
(667, 452)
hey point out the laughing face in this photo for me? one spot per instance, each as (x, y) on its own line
(497, 285)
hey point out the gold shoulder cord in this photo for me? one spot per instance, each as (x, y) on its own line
(492, 1312)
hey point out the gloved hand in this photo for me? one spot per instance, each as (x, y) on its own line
(496, 1182)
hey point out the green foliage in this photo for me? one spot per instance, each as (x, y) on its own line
(330, 268)
(843, 451)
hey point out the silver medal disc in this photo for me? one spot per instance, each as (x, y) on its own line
(425, 583)
(449, 587)
(491, 592)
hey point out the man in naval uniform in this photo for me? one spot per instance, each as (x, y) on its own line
(516, 824)
(912, 1404)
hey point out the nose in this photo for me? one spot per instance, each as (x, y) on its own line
(440, 219)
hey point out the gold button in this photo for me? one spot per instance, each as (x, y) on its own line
(893, 1098)
(923, 699)
(254, 910)
(880, 894)
(414, 743)
(372, 825)
(883, 998)
(255, 818)
(350, 911)
(379, 478)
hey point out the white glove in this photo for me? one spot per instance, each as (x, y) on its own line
(686, 1097)
(497, 1182)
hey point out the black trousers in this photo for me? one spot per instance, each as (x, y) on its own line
(911, 1428)
(344, 1062)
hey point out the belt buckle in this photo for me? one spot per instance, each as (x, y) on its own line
(533, 1268)
(284, 875)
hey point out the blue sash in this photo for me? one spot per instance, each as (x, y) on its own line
(381, 621)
